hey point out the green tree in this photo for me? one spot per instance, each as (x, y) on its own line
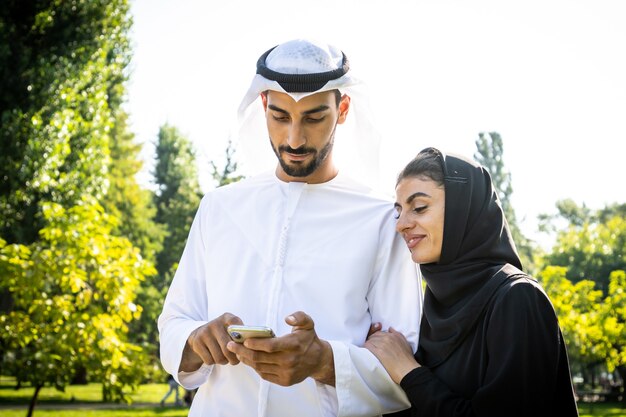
(61, 81)
(136, 210)
(568, 211)
(178, 195)
(577, 216)
(592, 246)
(614, 312)
(74, 297)
(590, 253)
(576, 305)
(227, 175)
(125, 199)
(609, 211)
(593, 325)
(61, 75)
(490, 154)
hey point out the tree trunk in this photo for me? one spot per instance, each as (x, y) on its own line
(33, 400)
(80, 376)
(621, 370)
(106, 394)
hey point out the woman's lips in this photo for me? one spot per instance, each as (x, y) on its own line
(413, 240)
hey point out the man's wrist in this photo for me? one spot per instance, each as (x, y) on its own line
(189, 361)
(326, 371)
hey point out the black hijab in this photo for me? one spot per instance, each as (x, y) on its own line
(478, 256)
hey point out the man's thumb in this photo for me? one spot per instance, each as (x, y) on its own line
(300, 321)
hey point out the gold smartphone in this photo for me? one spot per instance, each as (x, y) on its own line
(239, 333)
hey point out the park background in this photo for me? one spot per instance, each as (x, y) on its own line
(115, 120)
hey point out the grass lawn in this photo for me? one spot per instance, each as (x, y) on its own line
(85, 401)
(601, 410)
(83, 393)
(129, 412)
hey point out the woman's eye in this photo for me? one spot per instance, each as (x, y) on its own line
(281, 118)
(420, 209)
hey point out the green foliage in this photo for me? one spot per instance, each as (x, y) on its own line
(125, 199)
(227, 174)
(609, 211)
(591, 249)
(136, 210)
(569, 211)
(177, 197)
(579, 318)
(490, 154)
(575, 215)
(594, 326)
(144, 331)
(71, 287)
(61, 74)
(585, 277)
(65, 306)
(73, 294)
(614, 309)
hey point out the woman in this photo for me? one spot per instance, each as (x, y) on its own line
(490, 343)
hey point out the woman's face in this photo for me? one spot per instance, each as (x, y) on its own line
(420, 203)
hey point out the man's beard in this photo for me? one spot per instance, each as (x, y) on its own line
(303, 169)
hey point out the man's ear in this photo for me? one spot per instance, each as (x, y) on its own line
(344, 107)
(264, 100)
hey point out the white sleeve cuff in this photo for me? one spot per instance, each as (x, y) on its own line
(192, 380)
(363, 386)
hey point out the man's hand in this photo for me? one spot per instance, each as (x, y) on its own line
(289, 359)
(207, 344)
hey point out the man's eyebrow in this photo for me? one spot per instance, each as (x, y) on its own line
(278, 109)
(305, 113)
(316, 109)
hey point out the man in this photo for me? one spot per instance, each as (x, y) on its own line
(304, 250)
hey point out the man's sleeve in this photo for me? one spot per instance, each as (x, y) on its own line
(185, 306)
(362, 384)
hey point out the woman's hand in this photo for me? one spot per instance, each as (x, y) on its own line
(393, 351)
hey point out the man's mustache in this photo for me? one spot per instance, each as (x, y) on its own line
(299, 151)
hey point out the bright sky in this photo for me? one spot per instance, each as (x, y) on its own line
(548, 75)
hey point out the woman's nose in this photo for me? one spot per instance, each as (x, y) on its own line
(402, 223)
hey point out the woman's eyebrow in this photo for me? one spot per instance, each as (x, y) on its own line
(410, 198)
(415, 195)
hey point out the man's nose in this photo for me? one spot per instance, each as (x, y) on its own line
(296, 137)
